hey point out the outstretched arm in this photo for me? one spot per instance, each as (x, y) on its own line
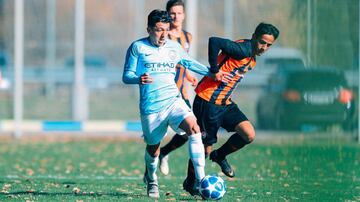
(190, 63)
(194, 66)
(231, 48)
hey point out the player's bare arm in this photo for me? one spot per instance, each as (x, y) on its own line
(192, 79)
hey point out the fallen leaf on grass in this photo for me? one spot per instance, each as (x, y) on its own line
(6, 188)
(29, 171)
(102, 164)
(284, 172)
(69, 169)
(76, 190)
(137, 172)
(125, 172)
(282, 163)
(18, 168)
(109, 171)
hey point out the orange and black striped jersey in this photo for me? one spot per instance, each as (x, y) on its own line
(236, 58)
(184, 40)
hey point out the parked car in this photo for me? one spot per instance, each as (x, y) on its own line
(297, 97)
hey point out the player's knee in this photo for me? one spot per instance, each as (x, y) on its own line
(190, 126)
(250, 136)
(194, 128)
(246, 131)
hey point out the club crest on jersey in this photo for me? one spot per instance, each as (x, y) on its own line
(172, 55)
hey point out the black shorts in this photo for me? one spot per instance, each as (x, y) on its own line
(210, 117)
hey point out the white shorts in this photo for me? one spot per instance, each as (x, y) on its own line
(155, 125)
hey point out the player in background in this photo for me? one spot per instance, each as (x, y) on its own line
(176, 10)
(150, 63)
(213, 107)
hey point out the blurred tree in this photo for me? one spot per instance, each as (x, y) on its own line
(353, 9)
(335, 31)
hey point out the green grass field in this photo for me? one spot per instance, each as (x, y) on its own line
(275, 168)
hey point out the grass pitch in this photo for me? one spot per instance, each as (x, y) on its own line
(274, 168)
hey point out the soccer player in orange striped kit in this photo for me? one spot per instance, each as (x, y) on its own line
(213, 107)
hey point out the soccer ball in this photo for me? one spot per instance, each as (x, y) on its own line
(212, 187)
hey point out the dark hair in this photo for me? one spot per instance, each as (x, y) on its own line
(158, 16)
(172, 3)
(264, 28)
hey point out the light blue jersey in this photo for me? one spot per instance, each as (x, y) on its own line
(160, 62)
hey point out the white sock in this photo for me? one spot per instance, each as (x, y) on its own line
(197, 155)
(151, 165)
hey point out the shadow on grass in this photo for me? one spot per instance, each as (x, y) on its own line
(20, 194)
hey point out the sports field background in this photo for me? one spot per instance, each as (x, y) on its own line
(276, 167)
(111, 26)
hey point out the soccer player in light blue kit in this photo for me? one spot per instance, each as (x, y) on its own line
(150, 63)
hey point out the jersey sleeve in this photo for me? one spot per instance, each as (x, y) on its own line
(189, 63)
(233, 49)
(129, 75)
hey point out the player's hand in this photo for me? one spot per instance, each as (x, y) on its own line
(193, 81)
(217, 76)
(226, 77)
(145, 78)
(222, 77)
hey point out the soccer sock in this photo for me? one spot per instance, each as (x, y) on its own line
(151, 165)
(176, 142)
(234, 143)
(197, 155)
